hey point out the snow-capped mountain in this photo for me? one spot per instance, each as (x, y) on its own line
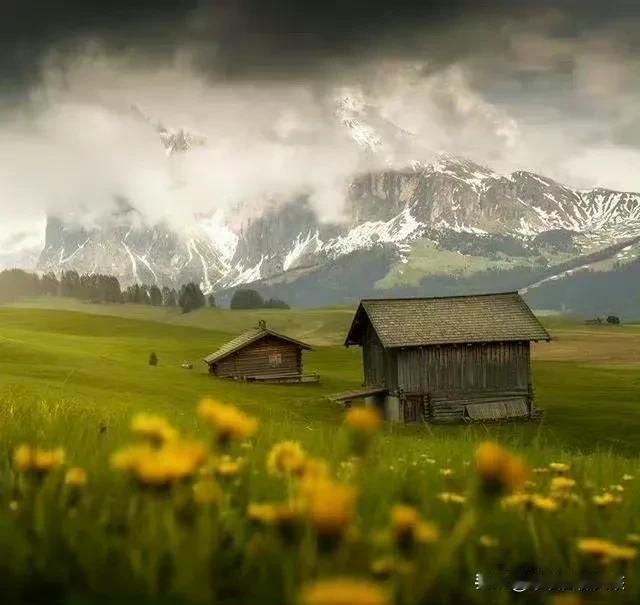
(448, 217)
(123, 246)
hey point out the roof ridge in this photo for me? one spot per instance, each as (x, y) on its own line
(400, 298)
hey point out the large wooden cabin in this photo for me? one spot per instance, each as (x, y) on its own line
(447, 359)
(260, 354)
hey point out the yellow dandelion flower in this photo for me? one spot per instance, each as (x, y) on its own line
(605, 500)
(76, 477)
(313, 469)
(616, 488)
(228, 467)
(22, 457)
(627, 477)
(206, 492)
(384, 567)
(594, 547)
(229, 423)
(364, 420)
(154, 428)
(330, 506)
(261, 513)
(545, 504)
(162, 466)
(452, 498)
(127, 458)
(286, 458)
(633, 538)
(404, 518)
(344, 591)
(283, 516)
(27, 458)
(560, 484)
(622, 553)
(447, 472)
(499, 470)
(559, 467)
(408, 528)
(488, 541)
(426, 533)
(518, 501)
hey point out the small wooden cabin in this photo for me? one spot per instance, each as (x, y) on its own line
(448, 359)
(260, 354)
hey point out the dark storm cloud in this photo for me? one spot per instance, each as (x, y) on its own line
(270, 38)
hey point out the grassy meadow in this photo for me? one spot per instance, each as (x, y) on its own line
(73, 375)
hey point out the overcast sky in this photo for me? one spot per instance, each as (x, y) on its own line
(549, 86)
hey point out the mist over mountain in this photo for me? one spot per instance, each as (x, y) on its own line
(437, 226)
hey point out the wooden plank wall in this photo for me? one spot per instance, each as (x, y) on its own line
(454, 376)
(259, 358)
(380, 364)
(476, 368)
(373, 358)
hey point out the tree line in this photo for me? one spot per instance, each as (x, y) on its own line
(97, 288)
(251, 299)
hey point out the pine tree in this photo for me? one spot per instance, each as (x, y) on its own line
(246, 299)
(191, 297)
(169, 297)
(155, 296)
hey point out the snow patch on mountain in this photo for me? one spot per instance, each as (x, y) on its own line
(308, 244)
(245, 276)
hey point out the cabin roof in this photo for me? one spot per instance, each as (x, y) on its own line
(411, 322)
(247, 338)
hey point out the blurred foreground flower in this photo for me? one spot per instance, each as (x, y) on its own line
(228, 467)
(154, 428)
(330, 507)
(344, 591)
(76, 477)
(498, 469)
(409, 529)
(206, 492)
(562, 484)
(559, 467)
(284, 517)
(605, 550)
(362, 423)
(161, 467)
(452, 498)
(605, 500)
(229, 423)
(30, 459)
(286, 458)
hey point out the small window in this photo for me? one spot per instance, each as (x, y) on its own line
(275, 359)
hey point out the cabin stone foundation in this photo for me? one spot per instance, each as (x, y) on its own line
(388, 405)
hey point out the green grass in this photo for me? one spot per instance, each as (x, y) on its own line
(587, 379)
(64, 374)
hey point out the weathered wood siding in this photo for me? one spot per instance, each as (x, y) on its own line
(267, 356)
(380, 365)
(477, 368)
(451, 376)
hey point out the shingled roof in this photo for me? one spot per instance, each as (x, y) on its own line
(410, 322)
(246, 338)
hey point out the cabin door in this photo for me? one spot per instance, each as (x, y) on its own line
(413, 409)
